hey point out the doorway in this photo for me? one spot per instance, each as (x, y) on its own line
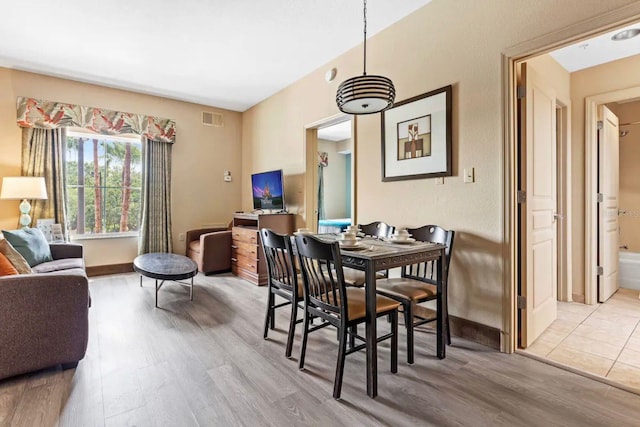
(330, 178)
(596, 339)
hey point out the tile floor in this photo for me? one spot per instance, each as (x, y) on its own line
(602, 339)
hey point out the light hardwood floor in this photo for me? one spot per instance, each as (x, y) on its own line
(204, 363)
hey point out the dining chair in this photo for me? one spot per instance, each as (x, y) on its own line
(328, 298)
(283, 280)
(418, 283)
(376, 229)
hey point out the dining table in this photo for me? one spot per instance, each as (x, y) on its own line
(376, 254)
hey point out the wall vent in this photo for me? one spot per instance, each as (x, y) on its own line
(212, 119)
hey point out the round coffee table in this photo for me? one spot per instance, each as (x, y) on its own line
(163, 266)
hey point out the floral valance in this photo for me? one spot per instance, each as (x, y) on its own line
(50, 115)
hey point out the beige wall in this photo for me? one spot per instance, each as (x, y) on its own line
(335, 191)
(617, 75)
(422, 52)
(629, 174)
(201, 154)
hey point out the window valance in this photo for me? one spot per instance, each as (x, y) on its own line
(50, 115)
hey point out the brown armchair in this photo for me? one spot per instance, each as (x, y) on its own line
(210, 248)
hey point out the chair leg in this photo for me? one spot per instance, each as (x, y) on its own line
(273, 312)
(446, 321)
(342, 352)
(305, 333)
(394, 341)
(408, 320)
(292, 328)
(267, 318)
(352, 336)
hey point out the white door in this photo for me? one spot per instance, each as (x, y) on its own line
(539, 264)
(608, 186)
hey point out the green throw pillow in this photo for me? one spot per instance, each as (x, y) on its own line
(31, 244)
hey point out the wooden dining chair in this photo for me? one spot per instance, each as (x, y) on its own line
(418, 283)
(283, 280)
(327, 298)
(377, 229)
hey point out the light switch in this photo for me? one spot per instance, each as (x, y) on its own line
(227, 176)
(469, 175)
(439, 180)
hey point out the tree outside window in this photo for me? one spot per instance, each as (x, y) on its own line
(104, 180)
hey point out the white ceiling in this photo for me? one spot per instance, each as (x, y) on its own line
(337, 132)
(229, 54)
(597, 50)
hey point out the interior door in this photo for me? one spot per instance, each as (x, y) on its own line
(538, 216)
(608, 186)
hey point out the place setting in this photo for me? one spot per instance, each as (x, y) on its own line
(401, 237)
(350, 241)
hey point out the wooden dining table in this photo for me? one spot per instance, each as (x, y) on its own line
(377, 255)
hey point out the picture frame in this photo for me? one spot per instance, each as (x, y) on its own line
(44, 225)
(416, 137)
(56, 233)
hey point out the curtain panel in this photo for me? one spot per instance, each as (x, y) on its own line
(38, 113)
(155, 228)
(43, 155)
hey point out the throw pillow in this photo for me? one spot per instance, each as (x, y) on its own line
(31, 244)
(14, 257)
(6, 268)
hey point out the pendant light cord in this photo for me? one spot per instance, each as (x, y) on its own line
(364, 73)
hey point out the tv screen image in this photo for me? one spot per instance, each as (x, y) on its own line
(268, 190)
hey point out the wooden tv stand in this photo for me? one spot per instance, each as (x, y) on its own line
(247, 257)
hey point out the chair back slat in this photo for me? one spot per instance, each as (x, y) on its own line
(280, 266)
(427, 271)
(322, 274)
(377, 229)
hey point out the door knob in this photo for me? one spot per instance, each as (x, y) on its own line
(557, 216)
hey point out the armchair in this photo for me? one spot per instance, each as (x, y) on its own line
(210, 248)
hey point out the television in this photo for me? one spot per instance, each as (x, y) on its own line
(268, 190)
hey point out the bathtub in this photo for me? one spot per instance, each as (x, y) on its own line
(629, 273)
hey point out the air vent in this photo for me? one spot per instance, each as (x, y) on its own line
(212, 119)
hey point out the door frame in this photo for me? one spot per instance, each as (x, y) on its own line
(311, 170)
(563, 197)
(591, 185)
(510, 56)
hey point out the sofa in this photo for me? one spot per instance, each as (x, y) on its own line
(44, 316)
(210, 248)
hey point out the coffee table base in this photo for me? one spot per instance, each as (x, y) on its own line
(188, 285)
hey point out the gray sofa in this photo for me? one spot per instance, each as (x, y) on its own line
(44, 316)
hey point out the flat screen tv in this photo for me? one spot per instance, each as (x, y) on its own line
(268, 190)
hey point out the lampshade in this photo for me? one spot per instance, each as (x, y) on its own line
(365, 94)
(23, 187)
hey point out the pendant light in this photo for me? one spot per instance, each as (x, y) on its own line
(365, 94)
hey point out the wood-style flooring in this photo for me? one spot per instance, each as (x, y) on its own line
(204, 363)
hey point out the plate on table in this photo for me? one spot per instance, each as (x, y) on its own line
(401, 242)
(352, 246)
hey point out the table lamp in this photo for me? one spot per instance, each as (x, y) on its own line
(23, 188)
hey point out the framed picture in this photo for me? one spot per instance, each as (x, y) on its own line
(44, 224)
(416, 137)
(56, 233)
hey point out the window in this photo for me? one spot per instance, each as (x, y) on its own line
(104, 179)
